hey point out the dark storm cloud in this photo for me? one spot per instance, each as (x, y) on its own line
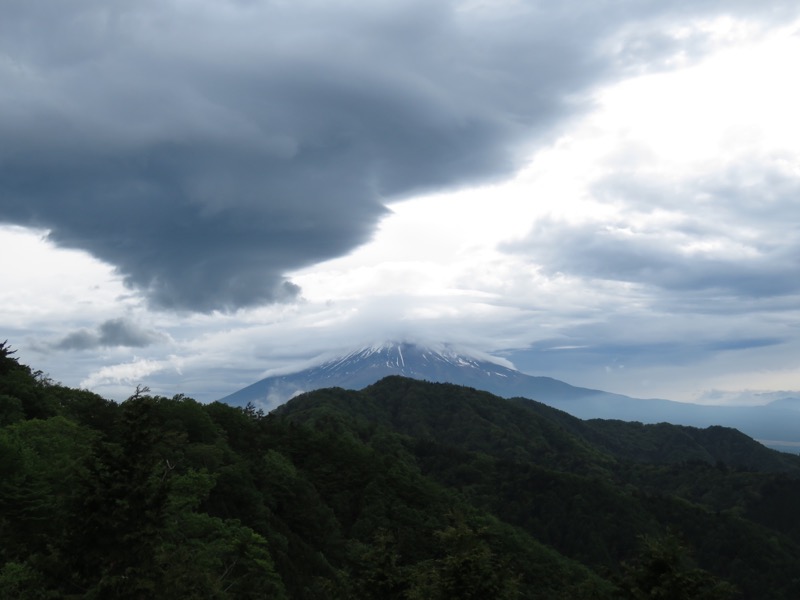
(111, 333)
(206, 149)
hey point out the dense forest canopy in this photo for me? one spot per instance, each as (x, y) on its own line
(405, 489)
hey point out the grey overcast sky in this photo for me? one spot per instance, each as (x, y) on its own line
(194, 193)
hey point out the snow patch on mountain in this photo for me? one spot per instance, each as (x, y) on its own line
(358, 368)
(393, 351)
(777, 419)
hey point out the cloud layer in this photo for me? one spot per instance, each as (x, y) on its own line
(634, 228)
(109, 334)
(207, 149)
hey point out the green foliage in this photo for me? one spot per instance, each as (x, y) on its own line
(40, 467)
(663, 571)
(663, 443)
(206, 557)
(9, 362)
(18, 581)
(466, 567)
(404, 490)
(86, 408)
(11, 410)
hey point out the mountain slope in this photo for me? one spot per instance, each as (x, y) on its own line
(405, 489)
(444, 364)
(519, 428)
(588, 489)
(778, 424)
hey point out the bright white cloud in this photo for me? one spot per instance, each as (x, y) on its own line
(42, 283)
(677, 128)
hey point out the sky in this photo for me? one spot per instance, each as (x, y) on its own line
(194, 194)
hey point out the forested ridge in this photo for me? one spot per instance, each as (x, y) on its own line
(405, 489)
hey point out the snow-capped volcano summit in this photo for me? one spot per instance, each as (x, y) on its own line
(409, 360)
(449, 364)
(439, 363)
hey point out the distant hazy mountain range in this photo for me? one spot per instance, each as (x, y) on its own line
(776, 424)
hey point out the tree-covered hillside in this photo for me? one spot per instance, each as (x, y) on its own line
(403, 490)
